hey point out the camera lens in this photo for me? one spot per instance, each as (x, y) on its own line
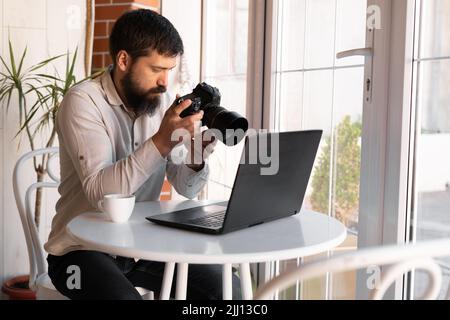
(231, 124)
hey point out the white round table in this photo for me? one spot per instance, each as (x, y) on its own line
(304, 234)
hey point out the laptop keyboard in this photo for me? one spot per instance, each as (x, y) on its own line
(212, 220)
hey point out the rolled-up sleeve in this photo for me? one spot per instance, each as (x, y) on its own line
(81, 128)
(186, 181)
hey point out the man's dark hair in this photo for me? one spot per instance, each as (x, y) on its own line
(139, 31)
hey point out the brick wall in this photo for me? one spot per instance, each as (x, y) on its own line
(106, 13)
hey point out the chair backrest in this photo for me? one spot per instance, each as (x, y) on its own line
(396, 260)
(36, 258)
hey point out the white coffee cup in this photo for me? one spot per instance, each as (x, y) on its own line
(118, 207)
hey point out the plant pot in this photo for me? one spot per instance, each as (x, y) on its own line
(17, 289)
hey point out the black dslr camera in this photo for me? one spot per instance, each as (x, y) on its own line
(207, 98)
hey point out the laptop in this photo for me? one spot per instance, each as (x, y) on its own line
(257, 198)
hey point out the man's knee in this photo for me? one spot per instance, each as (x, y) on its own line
(90, 275)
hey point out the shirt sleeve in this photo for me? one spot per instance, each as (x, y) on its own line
(186, 181)
(85, 138)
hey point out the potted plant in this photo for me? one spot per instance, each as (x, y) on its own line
(46, 91)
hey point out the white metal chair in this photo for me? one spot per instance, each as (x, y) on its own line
(39, 279)
(395, 259)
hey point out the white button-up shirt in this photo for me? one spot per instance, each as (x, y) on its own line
(103, 150)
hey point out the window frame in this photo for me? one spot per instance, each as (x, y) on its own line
(391, 177)
(385, 189)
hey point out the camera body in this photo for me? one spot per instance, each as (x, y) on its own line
(203, 96)
(231, 125)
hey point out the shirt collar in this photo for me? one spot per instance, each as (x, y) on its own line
(110, 90)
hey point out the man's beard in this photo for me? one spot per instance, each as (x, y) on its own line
(141, 102)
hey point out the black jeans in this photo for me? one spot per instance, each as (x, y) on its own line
(102, 276)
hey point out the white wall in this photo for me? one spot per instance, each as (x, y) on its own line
(47, 28)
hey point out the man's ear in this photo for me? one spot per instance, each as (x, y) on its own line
(123, 60)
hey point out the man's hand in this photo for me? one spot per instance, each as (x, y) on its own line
(199, 151)
(172, 122)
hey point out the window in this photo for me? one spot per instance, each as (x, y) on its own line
(224, 65)
(432, 130)
(314, 90)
